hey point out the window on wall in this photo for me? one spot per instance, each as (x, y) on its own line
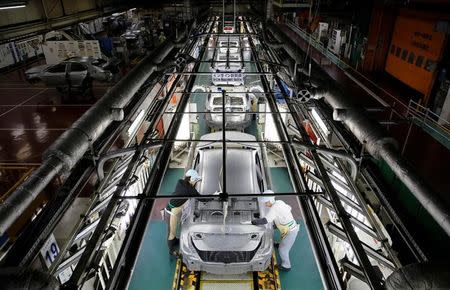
(392, 49)
(397, 52)
(419, 61)
(430, 65)
(404, 54)
(411, 57)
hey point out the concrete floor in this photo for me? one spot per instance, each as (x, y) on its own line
(33, 116)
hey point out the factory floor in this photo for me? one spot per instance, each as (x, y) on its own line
(32, 117)
(155, 268)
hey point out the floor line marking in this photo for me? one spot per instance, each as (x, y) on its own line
(18, 105)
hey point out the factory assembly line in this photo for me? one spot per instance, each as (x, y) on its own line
(219, 99)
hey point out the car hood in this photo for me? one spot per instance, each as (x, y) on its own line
(235, 237)
(37, 69)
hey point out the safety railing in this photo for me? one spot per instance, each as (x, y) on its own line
(423, 116)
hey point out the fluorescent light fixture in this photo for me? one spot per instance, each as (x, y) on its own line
(134, 126)
(184, 131)
(320, 122)
(12, 7)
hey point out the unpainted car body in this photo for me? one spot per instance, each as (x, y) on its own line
(237, 108)
(228, 67)
(217, 237)
(76, 71)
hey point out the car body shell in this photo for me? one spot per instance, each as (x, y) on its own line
(231, 246)
(227, 69)
(237, 108)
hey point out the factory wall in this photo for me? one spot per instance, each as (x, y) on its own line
(415, 50)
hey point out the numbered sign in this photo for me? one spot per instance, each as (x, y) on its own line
(50, 250)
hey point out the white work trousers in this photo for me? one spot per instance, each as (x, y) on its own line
(173, 221)
(285, 247)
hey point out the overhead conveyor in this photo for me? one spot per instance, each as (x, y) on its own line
(343, 206)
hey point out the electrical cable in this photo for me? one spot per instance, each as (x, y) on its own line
(308, 55)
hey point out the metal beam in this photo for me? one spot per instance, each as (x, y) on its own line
(322, 252)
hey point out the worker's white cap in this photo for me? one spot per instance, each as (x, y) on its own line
(265, 199)
(193, 174)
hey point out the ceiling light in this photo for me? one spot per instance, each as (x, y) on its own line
(12, 7)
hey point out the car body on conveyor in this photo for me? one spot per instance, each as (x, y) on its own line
(227, 67)
(216, 236)
(237, 108)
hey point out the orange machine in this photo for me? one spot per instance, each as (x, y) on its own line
(416, 48)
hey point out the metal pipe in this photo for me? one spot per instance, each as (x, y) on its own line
(70, 147)
(15, 204)
(335, 153)
(384, 148)
(377, 143)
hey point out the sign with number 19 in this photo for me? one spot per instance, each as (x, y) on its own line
(50, 250)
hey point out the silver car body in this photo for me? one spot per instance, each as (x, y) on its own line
(76, 69)
(236, 106)
(210, 243)
(231, 72)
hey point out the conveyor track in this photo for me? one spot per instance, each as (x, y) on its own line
(196, 280)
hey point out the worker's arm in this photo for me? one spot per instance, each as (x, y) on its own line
(258, 222)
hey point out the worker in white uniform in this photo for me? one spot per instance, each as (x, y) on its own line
(280, 213)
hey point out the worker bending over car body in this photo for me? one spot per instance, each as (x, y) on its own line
(185, 187)
(280, 213)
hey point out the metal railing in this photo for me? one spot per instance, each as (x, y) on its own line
(423, 116)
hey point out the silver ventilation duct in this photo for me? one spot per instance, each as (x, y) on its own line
(70, 147)
(372, 135)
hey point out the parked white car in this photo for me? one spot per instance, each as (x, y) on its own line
(76, 71)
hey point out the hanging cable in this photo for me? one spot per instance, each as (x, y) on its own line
(308, 55)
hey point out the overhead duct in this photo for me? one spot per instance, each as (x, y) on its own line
(70, 147)
(27, 279)
(420, 276)
(372, 136)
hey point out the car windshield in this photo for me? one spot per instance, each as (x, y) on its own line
(240, 171)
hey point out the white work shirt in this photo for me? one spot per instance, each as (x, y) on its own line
(281, 214)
